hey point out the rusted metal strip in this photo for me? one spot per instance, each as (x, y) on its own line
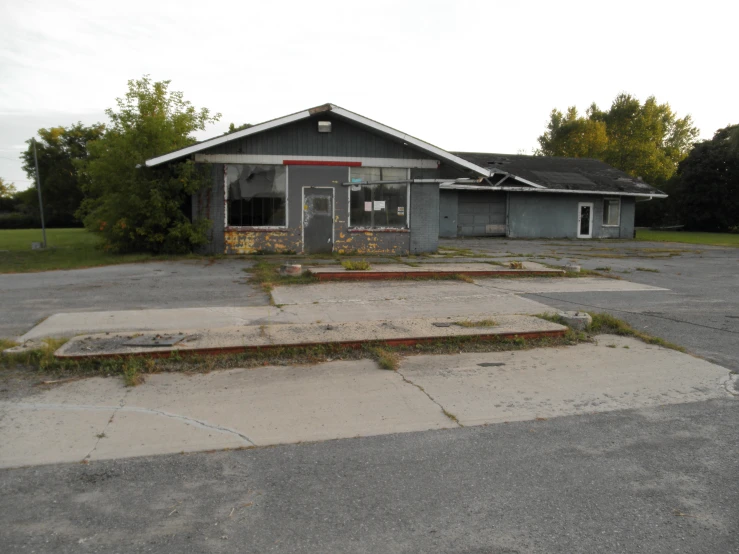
(385, 275)
(322, 162)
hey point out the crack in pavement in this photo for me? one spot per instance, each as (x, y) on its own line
(133, 409)
(102, 434)
(444, 411)
(731, 384)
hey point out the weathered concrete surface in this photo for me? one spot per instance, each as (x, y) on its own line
(572, 284)
(341, 273)
(300, 304)
(295, 334)
(71, 324)
(341, 302)
(616, 373)
(100, 418)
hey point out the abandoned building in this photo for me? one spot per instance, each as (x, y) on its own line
(329, 180)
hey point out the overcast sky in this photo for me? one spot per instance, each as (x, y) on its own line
(464, 75)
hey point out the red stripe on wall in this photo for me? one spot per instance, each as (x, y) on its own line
(320, 162)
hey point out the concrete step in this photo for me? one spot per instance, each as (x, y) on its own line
(430, 271)
(251, 338)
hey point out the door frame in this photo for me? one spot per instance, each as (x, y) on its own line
(579, 216)
(302, 216)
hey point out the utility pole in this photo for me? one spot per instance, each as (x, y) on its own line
(38, 188)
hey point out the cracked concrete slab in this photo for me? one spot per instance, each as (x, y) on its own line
(100, 418)
(225, 409)
(339, 302)
(616, 373)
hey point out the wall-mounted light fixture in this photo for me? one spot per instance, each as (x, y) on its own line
(324, 126)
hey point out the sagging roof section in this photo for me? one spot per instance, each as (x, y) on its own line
(341, 112)
(566, 175)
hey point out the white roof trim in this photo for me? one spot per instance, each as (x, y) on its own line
(227, 138)
(442, 154)
(559, 191)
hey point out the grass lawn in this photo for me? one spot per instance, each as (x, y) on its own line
(67, 249)
(714, 239)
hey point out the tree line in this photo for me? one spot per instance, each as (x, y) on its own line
(96, 175)
(650, 141)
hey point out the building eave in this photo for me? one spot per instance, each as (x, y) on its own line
(341, 112)
(451, 186)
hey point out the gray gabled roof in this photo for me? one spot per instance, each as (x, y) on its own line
(346, 114)
(563, 174)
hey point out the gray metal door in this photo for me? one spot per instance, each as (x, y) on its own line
(318, 220)
(482, 213)
(448, 213)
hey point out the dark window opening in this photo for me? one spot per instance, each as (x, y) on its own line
(256, 195)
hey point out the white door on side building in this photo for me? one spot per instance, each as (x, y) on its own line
(585, 220)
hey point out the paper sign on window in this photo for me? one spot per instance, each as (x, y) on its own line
(401, 210)
(368, 206)
(379, 205)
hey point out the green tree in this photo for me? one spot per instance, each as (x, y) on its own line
(232, 127)
(60, 151)
(645, 140)
(139, 208)
(573, 136)
(7, 190)
(707, 184)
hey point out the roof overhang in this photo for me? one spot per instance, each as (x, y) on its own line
(454, 186)
(341, 112)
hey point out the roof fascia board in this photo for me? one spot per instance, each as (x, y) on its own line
(559, 191)
(279, 159)
(443, 154)
(227, 138)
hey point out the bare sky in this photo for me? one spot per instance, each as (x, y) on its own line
(464, 75)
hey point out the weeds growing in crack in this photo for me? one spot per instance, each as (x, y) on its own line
(479, 323)
(134, 369)
(355, 265)
(386, 359)
(606, 324)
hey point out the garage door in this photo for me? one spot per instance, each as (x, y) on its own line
(481, 214)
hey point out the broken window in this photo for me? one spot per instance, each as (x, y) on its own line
(382, 205)
(256, 195)
(611, 211)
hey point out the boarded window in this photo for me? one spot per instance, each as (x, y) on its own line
(382, 205)
(256, 195)
(611, 211)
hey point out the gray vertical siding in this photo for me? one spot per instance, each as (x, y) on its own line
(546, 215)
(424, 222)
(303, 139)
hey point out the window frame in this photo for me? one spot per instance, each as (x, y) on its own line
(613, 199)
(359, 228)
(227, 204)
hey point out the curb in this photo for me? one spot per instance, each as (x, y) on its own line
(214, 351)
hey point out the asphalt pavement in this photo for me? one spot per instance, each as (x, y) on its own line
(657, 480)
